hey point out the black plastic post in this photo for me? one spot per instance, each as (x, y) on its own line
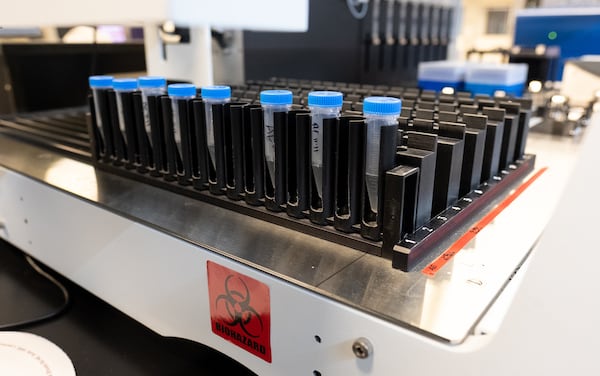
(276, 191)
(493, 142)
(421, 152)
(322, 208)
(349, 171)
(254, 149)
(399, 213)
(450, 150)
(299, 176)
(159, 156)
(475, 136)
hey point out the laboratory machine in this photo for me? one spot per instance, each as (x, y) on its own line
(312, 227)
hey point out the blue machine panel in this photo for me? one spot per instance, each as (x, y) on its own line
(575, 30)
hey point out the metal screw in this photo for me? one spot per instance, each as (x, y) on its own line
(362, 348)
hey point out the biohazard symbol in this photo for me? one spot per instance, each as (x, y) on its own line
(237, 305)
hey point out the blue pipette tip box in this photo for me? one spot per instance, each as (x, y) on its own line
(436, 75)
(489, 78)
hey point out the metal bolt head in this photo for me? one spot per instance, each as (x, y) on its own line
(362, 348)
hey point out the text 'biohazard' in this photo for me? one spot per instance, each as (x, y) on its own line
(240, 310)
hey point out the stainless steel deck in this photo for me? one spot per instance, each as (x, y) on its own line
(447, 306)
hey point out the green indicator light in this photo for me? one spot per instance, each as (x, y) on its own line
(552, 35)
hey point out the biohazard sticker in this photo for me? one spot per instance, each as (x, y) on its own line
(240, 310)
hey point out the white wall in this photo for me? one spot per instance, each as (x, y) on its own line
(472, 33)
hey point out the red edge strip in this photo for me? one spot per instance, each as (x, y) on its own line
(431, 269)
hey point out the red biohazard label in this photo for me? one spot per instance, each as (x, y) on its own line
(240, 310)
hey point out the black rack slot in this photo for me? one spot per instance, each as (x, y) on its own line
(276, 191)
(372, 221)
(421, 152)
(117, 139)
(173, 160)
(254, 149)
(159, 153)
(234, 151)
(449, 116)
(349, 180)
(298, 185)
(523, 129)
(200, 175)
(185, 143)
(422, 125)
(96, 144)
(131, 139)
(425, 114)
(322, 208)
(217, 176)
(472, 164)
(401, 186)
(106, 145)
(143, 141)
(448, 165)
(493, 142)
(511, 129)
(468, 109)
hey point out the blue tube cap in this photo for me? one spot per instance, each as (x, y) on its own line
(382, 106)
(152, 81)
(182, 90)
(101, 81)
(125, 84)
(282, 97)
(325, 99)
(216, 92)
